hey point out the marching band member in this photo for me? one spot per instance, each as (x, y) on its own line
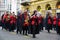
(34, 28)
(2, 21)
(54, 22)
(48, 22)
(19, 22)
(6, 20)
(40, 22)
(58, 21)
(12, 22)
(25, 22)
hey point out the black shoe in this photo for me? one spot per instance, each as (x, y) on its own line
(34, 37)
(12, 30)
(23, 33)
(17, 33)
(20, 32)
(9, 31)
(48, 31)
(26, 34)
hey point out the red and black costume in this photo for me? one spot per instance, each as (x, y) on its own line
(34, 29)
(40, 22)
(12, 22)
(25, 22)
(6, 21)
(49, 23)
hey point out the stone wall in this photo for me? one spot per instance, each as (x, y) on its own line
(42, 4)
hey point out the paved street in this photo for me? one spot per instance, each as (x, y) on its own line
(5, 35)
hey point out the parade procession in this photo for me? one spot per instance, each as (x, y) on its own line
(35, 19)
(33, 24)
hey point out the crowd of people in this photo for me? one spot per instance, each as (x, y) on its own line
(25, 24)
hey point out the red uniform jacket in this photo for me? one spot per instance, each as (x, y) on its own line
(39, 19)
(49, 20)
(54, 21)
(12, 20)
(33, 20)
(5, 18)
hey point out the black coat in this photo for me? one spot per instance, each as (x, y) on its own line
(19, 23)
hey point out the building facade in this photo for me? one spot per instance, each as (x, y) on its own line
(42, 6)
(31, 5)
(5, 5)
(2, 6)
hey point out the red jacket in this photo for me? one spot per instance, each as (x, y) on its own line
(49, 20)
(54, 21)
(39, 19)
(12, 20)
(5, 17)
(33, 20)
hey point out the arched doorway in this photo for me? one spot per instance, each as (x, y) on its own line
(48, 7)
(58, 5)
(38, 8)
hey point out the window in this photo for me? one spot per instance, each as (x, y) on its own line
(48, 7)
(38, 8)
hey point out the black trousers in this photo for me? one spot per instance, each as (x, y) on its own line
(58, 30)
(49, 27)
(54, 26)
(7, 25)
(40, 27)
(33, 31)
(12, 27)
(25, 30)
(19, 29)
(3, 26)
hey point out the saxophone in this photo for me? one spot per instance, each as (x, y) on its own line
(26, 20)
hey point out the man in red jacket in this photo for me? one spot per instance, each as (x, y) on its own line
(34, 29)
(33, 25)
(6, 20)
(40, 22)
(48, 22)
(12, 22)
(25, 23)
